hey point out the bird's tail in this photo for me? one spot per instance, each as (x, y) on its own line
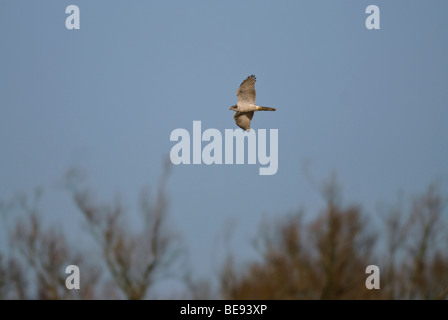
(266, 109)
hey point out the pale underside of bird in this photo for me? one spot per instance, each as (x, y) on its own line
(245, 106)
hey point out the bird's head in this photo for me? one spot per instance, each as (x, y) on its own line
(233, 108)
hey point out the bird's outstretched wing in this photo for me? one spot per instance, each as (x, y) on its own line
(243, 119)
(246, 91)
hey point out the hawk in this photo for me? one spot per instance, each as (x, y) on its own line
(245, 106)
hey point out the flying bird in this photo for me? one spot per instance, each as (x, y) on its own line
(245, 106)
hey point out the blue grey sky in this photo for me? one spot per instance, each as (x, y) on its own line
(369, 105)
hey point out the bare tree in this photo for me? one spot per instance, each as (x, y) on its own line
(324, 258)
(35, 266)
(327, 258)
(134, 258)
(12, 281)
